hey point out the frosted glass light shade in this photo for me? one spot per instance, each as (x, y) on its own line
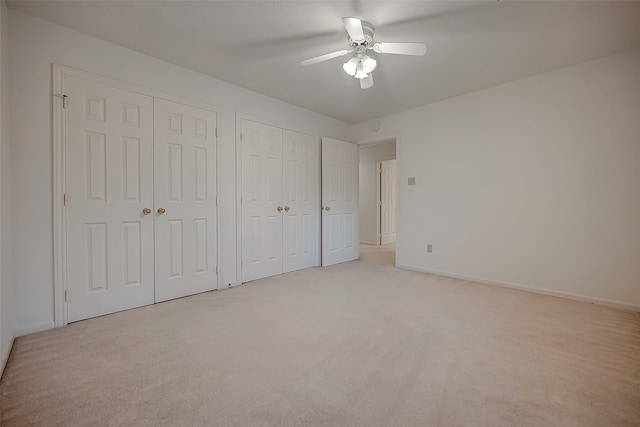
(350, 67)
(368, 64)
(360, 73)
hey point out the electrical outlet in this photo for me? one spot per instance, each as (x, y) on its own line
(429, 248)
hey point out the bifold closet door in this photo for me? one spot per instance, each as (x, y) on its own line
(109, 186)
(340, 230)
(185, 200)
(261, 200)
(300, 204)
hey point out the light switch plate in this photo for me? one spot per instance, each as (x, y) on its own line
(412, 181)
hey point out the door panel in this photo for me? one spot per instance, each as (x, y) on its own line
(261, 198)
(388, 202)
(299, 190)
(109, 181)
(340, 234)
(185, 187)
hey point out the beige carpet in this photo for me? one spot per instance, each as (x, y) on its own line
(359, 344)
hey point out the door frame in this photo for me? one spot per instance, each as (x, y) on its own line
(243, 116)
(384, 139)
(59, 72)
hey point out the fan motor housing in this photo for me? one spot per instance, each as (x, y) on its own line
(368, 29)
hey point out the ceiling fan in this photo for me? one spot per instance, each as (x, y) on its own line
(360, 38)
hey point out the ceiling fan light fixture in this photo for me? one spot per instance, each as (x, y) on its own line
(368, 64)
(360, 40)
(350, 67)
(360, 73)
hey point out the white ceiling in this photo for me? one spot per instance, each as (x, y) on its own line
(259, 44)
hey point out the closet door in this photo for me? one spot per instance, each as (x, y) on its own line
(109, 185)
(300, 194)
(261, 201)
(340, 231)
(185, 200)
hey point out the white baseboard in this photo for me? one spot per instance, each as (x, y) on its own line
(35, 328)
(566, 295)
(365, 242)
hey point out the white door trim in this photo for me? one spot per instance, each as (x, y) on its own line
(242, 116)
(60, 312)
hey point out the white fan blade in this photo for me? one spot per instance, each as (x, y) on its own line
(354, 29)
(367, 82)
(326, 57)
(416, 49)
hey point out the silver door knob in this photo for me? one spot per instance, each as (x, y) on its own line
(287, 208)
(327, 208)
(279, 208)
(161, 211)
(146, 211)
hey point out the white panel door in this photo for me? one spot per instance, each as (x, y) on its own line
(299, 194)
(185, 200)
(388, 202)
(109, 184)
(340, 230)
(261, 200)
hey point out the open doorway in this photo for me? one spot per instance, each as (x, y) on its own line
(377, 191)
(386, 201)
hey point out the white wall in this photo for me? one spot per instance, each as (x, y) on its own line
(35, 45)
(533, 183)
(368, 185)
(6, 274)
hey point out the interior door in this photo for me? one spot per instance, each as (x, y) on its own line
(185, 200)
(261, 200)
(299, 194)
(109, 184)
(388, 202)
(340, 231)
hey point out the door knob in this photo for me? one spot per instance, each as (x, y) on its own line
(327, 208)
(287, 208)
(161, 211)
(279, 208)
(146, 211)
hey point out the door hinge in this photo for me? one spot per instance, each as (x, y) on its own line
(240, 136)
(64, 199)
(216, 270)
(65, 102)
(65, 296)
(216, 201)
(216, 132)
